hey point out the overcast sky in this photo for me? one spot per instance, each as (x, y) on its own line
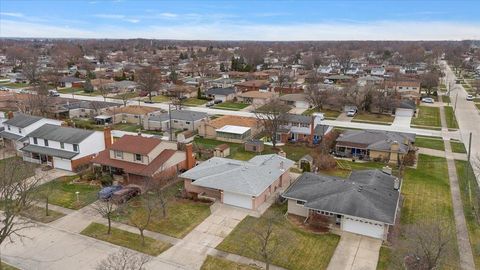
(243, 20)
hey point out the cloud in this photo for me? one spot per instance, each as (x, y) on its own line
(380, 30)
(12, 14)
(168, 15)
(133, 20)
(109, 16)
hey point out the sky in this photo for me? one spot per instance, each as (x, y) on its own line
(242, 20)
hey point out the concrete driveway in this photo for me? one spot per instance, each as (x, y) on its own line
(403, 117)
(355, 252)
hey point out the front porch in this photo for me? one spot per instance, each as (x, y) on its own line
(352, 152)
(38, 158)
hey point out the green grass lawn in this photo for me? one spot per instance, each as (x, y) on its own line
(91, 94)
(8, 267)
(15, 85)
(430, 142)
(22, 169)
(182, 215)
(159, 99)
(345, 167)
(69, 90)
(329, 114)
(194, 102)
(470, 194)
(63, 192)
(383, 258)
(428, 116)
(308, 251)
(446, 99)
(478, 105)
(233, 106)
(215, 263)
(127, 127)
(373, 117)
(126, 239)
(450, 117)
(38, 214)
(458, 147)
(128, 95)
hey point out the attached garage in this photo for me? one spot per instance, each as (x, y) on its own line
(60, 163)
(363, 227)
(238, 200)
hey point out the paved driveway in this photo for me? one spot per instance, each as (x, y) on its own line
(403, 117)
(355, 252)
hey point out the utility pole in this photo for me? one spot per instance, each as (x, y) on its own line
(170, 121)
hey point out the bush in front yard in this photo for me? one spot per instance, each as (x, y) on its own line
(106, 180)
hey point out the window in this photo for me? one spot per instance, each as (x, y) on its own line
(8, 127)
(188, 123)
(175, 121)
(62, 145)
(75, 148)
(118, 154)
(300, 202)
(35, 141)
(138, 157)
(45, 142)
(20, 130)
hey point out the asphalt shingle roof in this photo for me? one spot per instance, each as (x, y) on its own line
(61, 134)
(376, 139)
(179, 115)
(220, 91)
(22, 120)
(49, 151)
(366, 194)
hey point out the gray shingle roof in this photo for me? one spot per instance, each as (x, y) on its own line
(90, 105)
(179, 115)
(377, 139)
(49, 151)
(220, 91)
(10, 136)
(244, 177)
(366, 194)
(298, 118)
(22, 120)
(61, 134)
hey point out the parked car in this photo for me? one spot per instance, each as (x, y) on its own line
(148, 101)
(318, 115)
(351, 113)
(217, 101)
(470, 97)
(53, 93)
(428, 100)
(210, 103)
(125, 194)
(107, 192)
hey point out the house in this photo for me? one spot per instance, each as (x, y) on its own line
(325, 69)
(70, 82)
(256, 146)
(97, 83)
(19, 126)
(257, 98)
(339, 78)
(63, 148)
(252, 85)
(405, 89)
(132, 114)
(223, 94)
(122, 86)
(377, 145)
(86, 109)
(245, 184)
(138, 159)
(222, 150)
(369, 80)
(378, 71)
(365, 203)
(302, 128)
(179, 119)
(230, 128)
(296, 100)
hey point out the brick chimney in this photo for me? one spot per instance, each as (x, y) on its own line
(10, 115)
(190, 157)
(107, 136)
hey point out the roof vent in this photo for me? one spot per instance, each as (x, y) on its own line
(387, 170)
(396, 184)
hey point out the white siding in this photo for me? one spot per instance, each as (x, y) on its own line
(91, 145)
(364, 227)
(60, 163)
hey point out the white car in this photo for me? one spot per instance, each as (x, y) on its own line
(428, 100)
(351, 113)
(470, 97)
(320, 116)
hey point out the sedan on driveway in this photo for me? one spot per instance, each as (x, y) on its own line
(470, 97)
(428, 100)
(107, 192)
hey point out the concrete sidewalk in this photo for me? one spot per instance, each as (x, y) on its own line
(439, 153)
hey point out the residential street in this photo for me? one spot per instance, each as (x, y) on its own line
(468, 116)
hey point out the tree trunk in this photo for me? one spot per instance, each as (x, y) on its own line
(46, 207)
(143, 237)
(109, 224)
(267, 266)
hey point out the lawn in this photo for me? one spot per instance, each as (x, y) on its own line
(69, 90)
(128, 95)
(430, 142)
(159, 99)
(383, 258)
(232, 106)
(126, 239)
(446, 99)
(329, 114)
(23, 169)
(458, 147)
(308, 251)
(478, 105)
(450, 117)
(194, 102)
(8, 267)
(182, 215)
(373, 117)
(470, 191)
(90, 94)
(15, 85)
(345, 167)
(428, 116)
(215, 263)
(63, 192)
(38, 214)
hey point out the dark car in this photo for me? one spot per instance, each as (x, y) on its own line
(217, 101)
(107, 192)
(125, 194)
(148, 101)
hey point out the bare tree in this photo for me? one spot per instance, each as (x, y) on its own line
(103, 89)
(476, 87)
(429, 82)
(148, 81)
(124, 260)
(425, 245)
(16, 194)
(31, 71)
(141, 218)
(124, 97)
(105, 208)
(272, 116)
(269, 238)
(45, 193)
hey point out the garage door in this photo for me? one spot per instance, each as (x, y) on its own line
(64, 164)
(404, 112)
(237, 200)
(362, 227)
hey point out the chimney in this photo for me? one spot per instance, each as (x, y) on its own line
(190, 158)
(107, 136)
(10, 115)
(387, 170)
(395, 146)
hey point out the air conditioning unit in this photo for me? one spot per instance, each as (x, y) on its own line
(124, 121)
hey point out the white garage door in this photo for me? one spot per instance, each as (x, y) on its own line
(404, 112)
(237, 200)
(362, 227)
(64, 164)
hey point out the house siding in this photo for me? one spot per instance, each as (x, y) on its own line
(294, 208)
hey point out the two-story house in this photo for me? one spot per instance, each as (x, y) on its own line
(18, 126)
(302, 128)
(405, 89)
(139, 159)
(61, 147)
